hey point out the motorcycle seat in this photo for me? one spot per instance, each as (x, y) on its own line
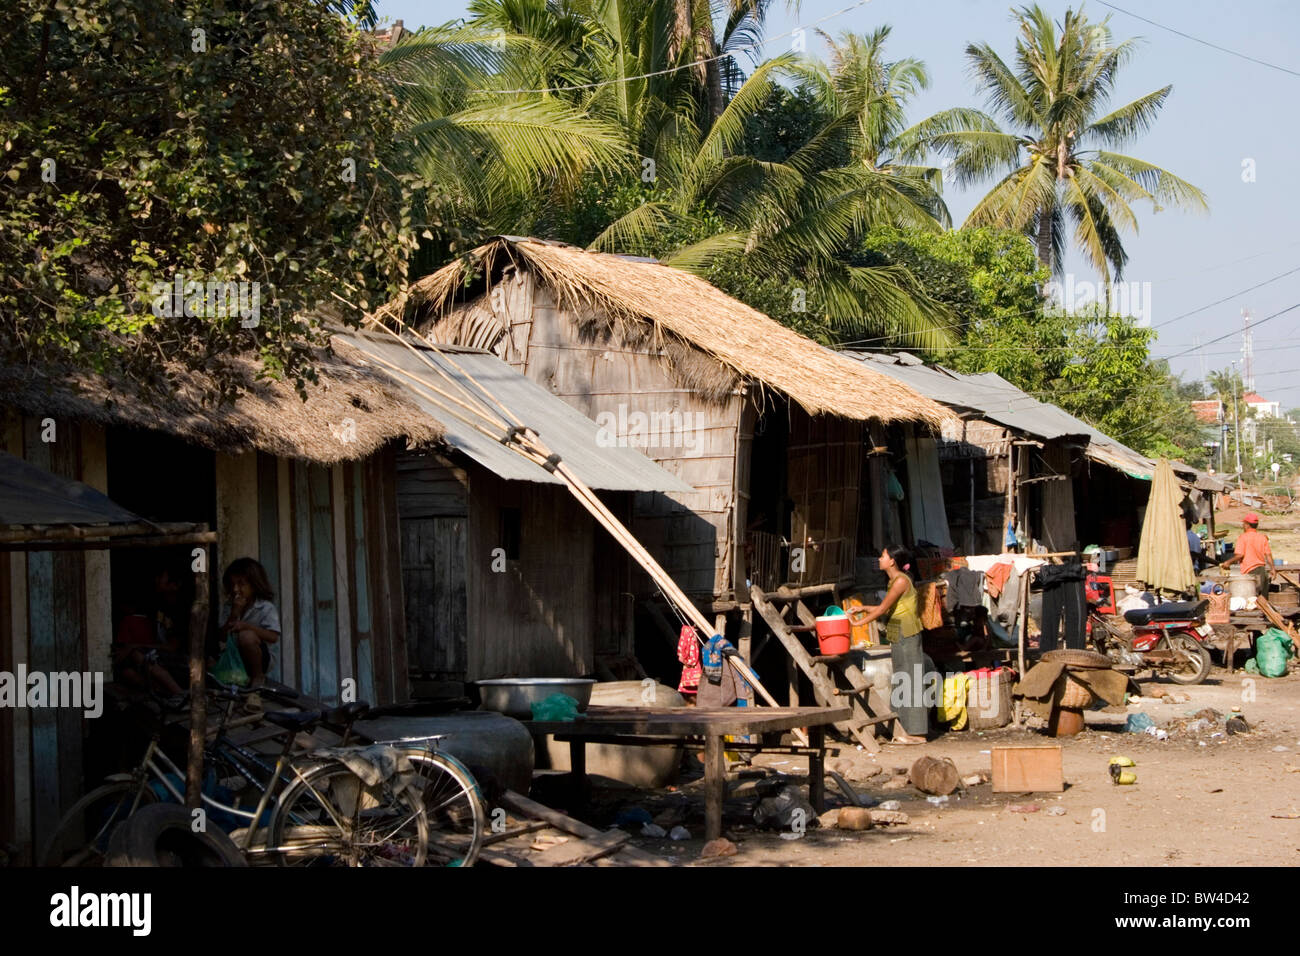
(1173, 611)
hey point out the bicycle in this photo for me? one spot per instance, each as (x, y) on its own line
(453, 804)
(323, 813)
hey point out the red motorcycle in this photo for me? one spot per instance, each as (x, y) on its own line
(1166, 639)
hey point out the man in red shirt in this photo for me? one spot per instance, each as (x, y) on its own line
(1254, 552)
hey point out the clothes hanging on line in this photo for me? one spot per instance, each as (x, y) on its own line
(688, 653)
(965, 588)
(1064, 602)
(995, 578)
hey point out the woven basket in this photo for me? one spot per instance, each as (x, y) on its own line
(1218, 611)
(1073, 658)
(1074, 695)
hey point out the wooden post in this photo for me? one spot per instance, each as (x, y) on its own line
(198, 664)
(1023, 628)
(715, 786)
(745, 644)
(970, 536)
(1011, 493)
(817, 768)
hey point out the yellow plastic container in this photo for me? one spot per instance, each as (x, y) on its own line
(859, 634)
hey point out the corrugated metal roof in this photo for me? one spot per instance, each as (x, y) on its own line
(30, 495)
(990, 396)
(568, 432)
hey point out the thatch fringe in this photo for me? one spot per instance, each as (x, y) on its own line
(648, 304)
(350, 413)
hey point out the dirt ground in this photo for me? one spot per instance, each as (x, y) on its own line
(1199, 800)
(1202, 797)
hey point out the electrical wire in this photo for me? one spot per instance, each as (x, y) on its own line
(1188, 36)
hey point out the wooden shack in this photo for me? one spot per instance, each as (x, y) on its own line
(1009, 458)
(371, 511)
(504, 573)
(765, 425)
(308, 488)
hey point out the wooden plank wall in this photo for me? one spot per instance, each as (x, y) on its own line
(534, 618)
(693, 534)
(327, 537)
(614, 610)
(825, 467)
(433, 512)
(44, 624)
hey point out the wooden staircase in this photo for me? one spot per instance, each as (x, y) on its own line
(835, 680)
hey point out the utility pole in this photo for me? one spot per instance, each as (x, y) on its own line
(1236, 417)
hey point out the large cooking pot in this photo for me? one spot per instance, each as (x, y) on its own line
(514, 696)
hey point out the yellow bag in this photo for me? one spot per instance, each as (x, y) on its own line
(953, 708)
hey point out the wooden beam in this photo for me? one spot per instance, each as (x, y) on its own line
(198, 633)
(92, 533)
(99, 576)
(288, 575)
(342, 561)
(584, 851)
(530, 808)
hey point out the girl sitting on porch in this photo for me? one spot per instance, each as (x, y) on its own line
(252, 620)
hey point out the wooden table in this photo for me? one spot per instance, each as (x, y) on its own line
(640, 726)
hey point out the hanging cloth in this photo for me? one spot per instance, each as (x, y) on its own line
(688, 653)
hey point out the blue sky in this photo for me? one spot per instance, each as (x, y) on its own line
(1223, 111)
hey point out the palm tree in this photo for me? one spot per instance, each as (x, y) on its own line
(477, 137)
(804, 216)
(696, 199)
(1056, 156)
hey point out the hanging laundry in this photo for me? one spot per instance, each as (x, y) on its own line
(927, 596)
(688, 653)
(1064, 602)
(995, 578)
(965, 588)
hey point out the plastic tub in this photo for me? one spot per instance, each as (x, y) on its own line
(833, 634)
(1241, 585)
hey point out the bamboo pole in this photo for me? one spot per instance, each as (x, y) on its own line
(525, 441)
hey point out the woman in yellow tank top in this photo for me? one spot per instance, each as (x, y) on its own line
(903, 634)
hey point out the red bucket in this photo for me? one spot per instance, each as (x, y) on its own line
(833, 634)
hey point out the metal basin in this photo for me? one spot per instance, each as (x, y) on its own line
(514, 696)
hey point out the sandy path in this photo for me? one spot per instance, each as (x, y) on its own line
(1192, 805)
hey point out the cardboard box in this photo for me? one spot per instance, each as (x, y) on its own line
(1027, 770)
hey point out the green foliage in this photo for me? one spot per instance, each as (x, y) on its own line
(1113, 383)
(158, 139)
(1095, 366)
(786, 121)
(989, 279)
(1051, 157)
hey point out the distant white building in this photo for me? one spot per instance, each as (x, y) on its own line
(1261, 406)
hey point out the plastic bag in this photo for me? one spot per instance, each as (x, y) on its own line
(953, 708)
(781, 805)
(555, 707)
(230, 668)
(1273, 649)
(1138, 723)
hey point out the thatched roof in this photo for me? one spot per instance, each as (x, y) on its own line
(350, 413)
(712, 341)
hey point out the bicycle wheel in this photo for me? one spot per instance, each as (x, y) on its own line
(453, 807)
(328, 817)
(81, 838)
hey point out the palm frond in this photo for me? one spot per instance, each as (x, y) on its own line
(1164, 185)
(1095, 231)
(1119, 126)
